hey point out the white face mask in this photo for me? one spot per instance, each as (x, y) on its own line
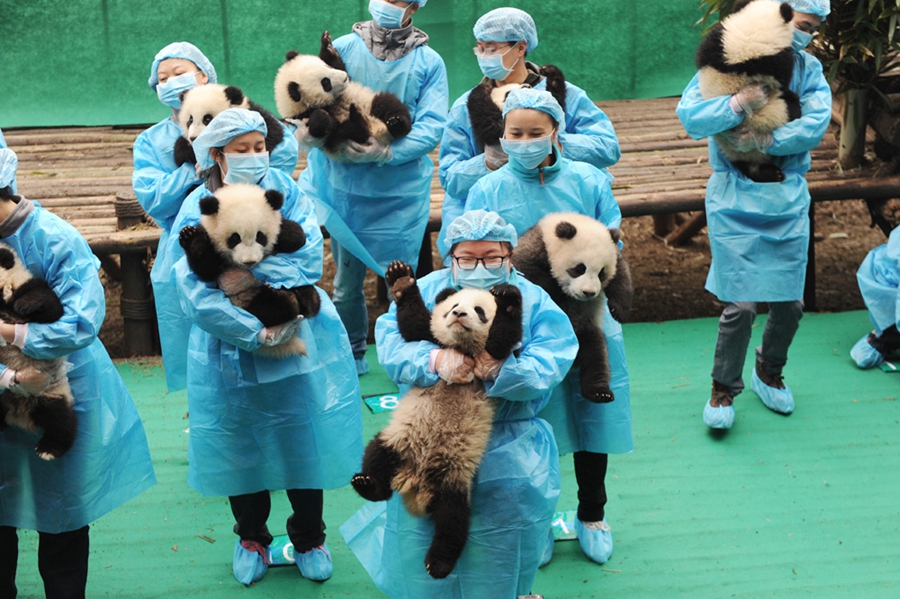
(386, 14)
(528, 153)
(492, 65)
(246, 168)
(801, 40)
(169, 92)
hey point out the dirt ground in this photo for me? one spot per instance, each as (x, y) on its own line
(668, 281)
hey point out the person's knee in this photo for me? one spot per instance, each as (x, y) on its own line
(739, 314)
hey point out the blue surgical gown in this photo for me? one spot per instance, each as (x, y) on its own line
(259, 423)
(879, 279)
(379, 213)
(3, 145)
(522, 197)
(759, 232)
(588, 137)
(160, 188)
(110, 461)
(517, 484)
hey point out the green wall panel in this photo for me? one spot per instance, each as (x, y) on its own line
(86, 62)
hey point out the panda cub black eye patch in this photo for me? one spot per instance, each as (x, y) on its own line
(233, 241)
(326, 84)
(576, 271)
(207, 119)
(602, 274)
(261, 238)
(480, 312)
(190, 121)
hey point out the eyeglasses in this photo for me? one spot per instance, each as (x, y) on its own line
(490, 263)
(489, 50)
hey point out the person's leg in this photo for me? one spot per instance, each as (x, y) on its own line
(306, 530)
(251, 558)
(9, 559)
(593, 532)
(735, 326)
(889, 340)
(63, 563)
(771, 356)
(350, 301)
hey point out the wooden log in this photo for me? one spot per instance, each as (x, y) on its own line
(687, 230)
(136, 305)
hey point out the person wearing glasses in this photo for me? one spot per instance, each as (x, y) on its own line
(536, 181)
(517, 484)
(504, 38)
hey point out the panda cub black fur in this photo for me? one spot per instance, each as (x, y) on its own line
(201, 104)
(577, 261)
(318, 88)
(26, 299)
(239, 227)
(485, 104)
(752, 45)
(432, 447)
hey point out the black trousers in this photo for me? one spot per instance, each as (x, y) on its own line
(62, 562)
(305, 526)
(590, 474)
(888, 342)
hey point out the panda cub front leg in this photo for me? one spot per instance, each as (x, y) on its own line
(201, 255)
(593, 361)
(183, 152)
(380, 465)
(413, 317)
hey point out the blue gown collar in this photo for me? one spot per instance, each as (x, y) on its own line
(541, 174)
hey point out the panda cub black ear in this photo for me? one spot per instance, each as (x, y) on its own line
(275, 199)
(565, 230)
(7, 259)
(616, 235)
(209, 205)
(234, 94)
(290, 55)
(183, 94)
(444, 294)
(787, 13)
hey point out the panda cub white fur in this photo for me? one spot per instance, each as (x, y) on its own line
(319, 89)
(432, 447)
(241, 225)
(752, 45)
(577, 261)
(27, 299)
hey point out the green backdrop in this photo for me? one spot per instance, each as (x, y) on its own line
(86, 62)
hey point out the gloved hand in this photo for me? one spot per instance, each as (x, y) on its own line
(494, 156)
(454, 367)
(280, 333)
(30, 380)
(750, 98)
(745, 140)
(371, 151)
(487, 367)
(306, 141)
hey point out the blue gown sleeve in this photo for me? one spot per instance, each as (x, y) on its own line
(285, 155)
(805, 133)
(703, 118)
(406, 363)
(608, 211)
(589, 135)
(461, 162)
(430, 114)
(159, 190)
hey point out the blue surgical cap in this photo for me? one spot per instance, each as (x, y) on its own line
(526, 97)
(819, 8)
(421, 3)
(9, 162)
(185, 50)
(507, 25)
(226, 125)
(480, 225)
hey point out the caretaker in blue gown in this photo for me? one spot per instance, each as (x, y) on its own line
(759, 232)
(879, 280)
(587, 136)
(110, 461)
(517, 484)
(522, 194)
(376, 204)
(261, 424)
(160, 187)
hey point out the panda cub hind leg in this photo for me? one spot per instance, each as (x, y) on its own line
(272, 306)
(760, 172)
(450, 512)
(380, 464)
(593, 360)
(56, 416)
(388, 108)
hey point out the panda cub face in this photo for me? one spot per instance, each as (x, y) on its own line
(199, 105)
(243, 222)
(463, 320)
(582, 254)
(305, 83)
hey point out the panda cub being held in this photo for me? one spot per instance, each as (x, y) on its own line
(338, 110)
(431, 449)
(577, 261)
(240, 225)
(27, 299)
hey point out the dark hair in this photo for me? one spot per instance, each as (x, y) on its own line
(506, 244)
(6, 193)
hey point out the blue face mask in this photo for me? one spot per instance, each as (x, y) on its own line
(528, 153)
(492, 65)
(170, 91)
(480, 277)
(801, 40)
(385, 14)
(246, 168)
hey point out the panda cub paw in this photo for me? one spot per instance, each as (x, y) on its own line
(369, 489)
(189, 235)
(399, 277)
(597, 393)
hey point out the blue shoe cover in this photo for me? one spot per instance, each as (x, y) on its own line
(865, 355)
(249, 566)
(315, 564)
(777, 400)
(362, 366)
(721, 417)
(548, 551)
(596, 544)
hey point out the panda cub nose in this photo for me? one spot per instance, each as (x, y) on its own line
(459, 313)
(590, 293)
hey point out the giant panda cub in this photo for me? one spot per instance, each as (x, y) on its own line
(577, 261)
(27, 299)
(431, 448)
(201, 104)
(485, 104)
(752, 45)
(318, 88)
(240, 225)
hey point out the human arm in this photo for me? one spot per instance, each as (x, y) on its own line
(461, 162)
(406, 363)
(429, 114)
(159, 185)
(703, 118)
(589, 135)
(805, 133)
